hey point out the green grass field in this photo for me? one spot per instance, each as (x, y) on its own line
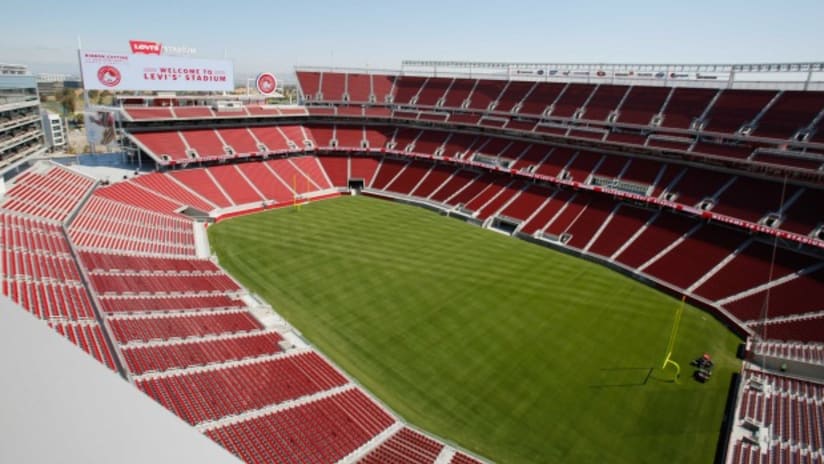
(514, 351)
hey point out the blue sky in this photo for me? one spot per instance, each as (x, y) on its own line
(263, 35)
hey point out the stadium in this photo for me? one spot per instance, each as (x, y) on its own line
(450, 262)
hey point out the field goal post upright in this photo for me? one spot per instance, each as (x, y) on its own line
(673, 335)
(295, 203)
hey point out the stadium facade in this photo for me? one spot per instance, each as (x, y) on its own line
(21, 133)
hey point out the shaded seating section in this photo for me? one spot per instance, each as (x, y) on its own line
(604, 101)
(589, 222)
(433, 91)
(541, 97)
(795, 110)
(625, 222)
(546, 213)
(476, 186)
(693, 258)
(215, 393)
(528, 202)
(513, 94)
(48, 191)
(569, 215)
(410, 177)
(582, 165)
(459, 92)
(641, 104)
(325, 430)
(181, 326)
(573, 98)
(406, 446)
(665, 229)
(438, 176)
(686, 105)
(142, 359)
(122, 282)
(696, 185)
(802, 217)
(407, 88)
(505, 191)
(736, 108)
(789, 297)
(556, 162)
(751, 267)
(387, 170)
(486, 92)
(799, 329)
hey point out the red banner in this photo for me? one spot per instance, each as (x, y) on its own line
(145, 47)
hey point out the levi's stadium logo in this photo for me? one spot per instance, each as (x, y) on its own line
(145, 47)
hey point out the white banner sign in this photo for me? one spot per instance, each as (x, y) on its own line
(120, 71)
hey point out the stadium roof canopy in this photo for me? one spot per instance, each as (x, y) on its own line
(57, 404)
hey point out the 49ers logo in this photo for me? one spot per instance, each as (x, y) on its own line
(266, 83)
(108, 76)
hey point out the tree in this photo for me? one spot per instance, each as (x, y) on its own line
(94, 96)
(67, 100)
(106, 98)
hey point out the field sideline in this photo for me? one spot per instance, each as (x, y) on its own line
(516, 352)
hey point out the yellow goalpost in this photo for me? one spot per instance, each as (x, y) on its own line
(295, 203)
(673, 335)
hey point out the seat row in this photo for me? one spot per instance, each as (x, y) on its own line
(158, 358)
(116, 304)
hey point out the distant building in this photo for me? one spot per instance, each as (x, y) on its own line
(55, 130)
(51, 83)
(21, 132)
